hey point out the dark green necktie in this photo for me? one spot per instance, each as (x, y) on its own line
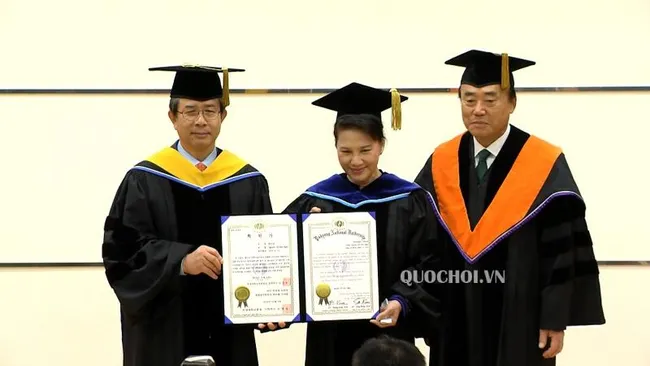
(481, 168)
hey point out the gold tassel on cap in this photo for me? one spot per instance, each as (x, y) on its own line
(505, 71)
(396, 106)
(226, 88)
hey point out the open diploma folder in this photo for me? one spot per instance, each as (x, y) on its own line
(313, 267)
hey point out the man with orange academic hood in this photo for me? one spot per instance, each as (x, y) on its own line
(162, 237)
(506, 201)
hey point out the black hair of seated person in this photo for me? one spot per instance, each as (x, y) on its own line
(387, 351)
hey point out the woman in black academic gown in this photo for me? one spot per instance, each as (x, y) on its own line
(405, 225)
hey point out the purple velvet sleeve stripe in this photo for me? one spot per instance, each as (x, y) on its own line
(403, 302)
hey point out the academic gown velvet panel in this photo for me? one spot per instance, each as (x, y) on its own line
(157, 219)
(544, 249)
(405, 240)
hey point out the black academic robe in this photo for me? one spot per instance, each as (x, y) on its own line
(405, 241)
(526, 220)
(163, 210)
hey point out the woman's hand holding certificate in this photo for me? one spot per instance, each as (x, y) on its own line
(389, 314)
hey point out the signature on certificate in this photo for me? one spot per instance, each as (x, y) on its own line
(361, 301)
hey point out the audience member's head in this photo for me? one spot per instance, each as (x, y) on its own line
(387, 351)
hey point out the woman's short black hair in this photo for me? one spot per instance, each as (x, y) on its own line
(366, 123)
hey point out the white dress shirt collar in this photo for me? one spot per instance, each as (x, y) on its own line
(494, 147)
(209, 160)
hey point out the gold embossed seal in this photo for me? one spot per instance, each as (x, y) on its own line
(323, 291)
(242, 294)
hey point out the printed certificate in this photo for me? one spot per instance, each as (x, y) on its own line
(340, 254)
(260, 269)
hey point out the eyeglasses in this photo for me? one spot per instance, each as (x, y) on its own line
(192, 115)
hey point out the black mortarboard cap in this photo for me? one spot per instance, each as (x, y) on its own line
(357, 98)
(198, 82)
(486, 68)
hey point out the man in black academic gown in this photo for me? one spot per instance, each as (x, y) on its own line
(507, 202)
(162, 236)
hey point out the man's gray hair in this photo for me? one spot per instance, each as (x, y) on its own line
(173, 104)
